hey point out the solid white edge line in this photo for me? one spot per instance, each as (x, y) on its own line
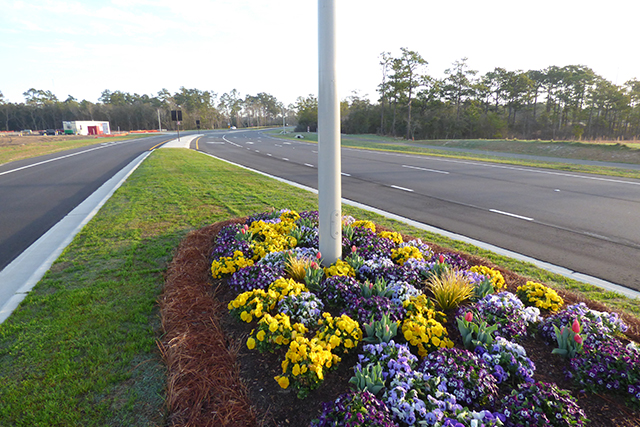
(526, 218)
(562, 271)
(38, 258)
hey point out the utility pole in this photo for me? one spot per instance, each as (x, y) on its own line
(329, 178)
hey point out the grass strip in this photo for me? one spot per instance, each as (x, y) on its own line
(81, 348)
(588, 151)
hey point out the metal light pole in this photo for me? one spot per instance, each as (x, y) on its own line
(329, 179)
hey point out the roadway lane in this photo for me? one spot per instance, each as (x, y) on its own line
(583, 222)
(37, 193)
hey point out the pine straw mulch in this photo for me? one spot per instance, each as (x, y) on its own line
(214, 380)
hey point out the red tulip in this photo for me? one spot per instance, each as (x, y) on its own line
(313, 264)
(576, 326)
(577, 338)
(441, 259)
(353, 249)
(318, 255)
(469, 316)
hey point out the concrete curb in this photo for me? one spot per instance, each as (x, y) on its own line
(23, 273)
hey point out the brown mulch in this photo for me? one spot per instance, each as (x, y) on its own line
(213, 379)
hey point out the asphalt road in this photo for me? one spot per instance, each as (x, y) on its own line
(37, 193)
(586, 223)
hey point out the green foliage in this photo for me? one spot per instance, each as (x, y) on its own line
(450, 289)
(378, 288)
(482, 289)
(570, 342)
(369, 378)
(475, 334)
(382, 330)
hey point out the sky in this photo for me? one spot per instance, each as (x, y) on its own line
(81, 48)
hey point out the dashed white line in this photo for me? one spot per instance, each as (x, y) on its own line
(308, 164)
(402, 188)
(425, 169)
(257, 151)
(526, 218)
(285, 159)
(269, 154)
(345, 174)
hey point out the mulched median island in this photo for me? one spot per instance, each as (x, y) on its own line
(397, 333)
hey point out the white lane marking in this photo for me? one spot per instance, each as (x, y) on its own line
(249, 142)
(308, 164)
(60, 158)
(286, 143)
(425, 169)
(568, 175)
(285, 159)
(232, 143)
(314, 151)
(558, 190)
(257, 151)
(277, 145)
(402, 188)
(345, 174)
(269, 154)
(526, 218)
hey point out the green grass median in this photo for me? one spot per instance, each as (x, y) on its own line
(81, 349)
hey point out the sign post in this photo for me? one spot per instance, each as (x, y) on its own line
(176, 116)
(329, 178)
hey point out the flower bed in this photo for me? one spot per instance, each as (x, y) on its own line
(415, 369)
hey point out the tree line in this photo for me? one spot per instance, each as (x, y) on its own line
(570, 102)
(126, 111)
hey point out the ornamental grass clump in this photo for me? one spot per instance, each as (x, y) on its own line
(610, 367)
(463, 374)
(356, 409)
(534, 294)
(305, 308)
(450, 289)
(542, 404)
(273, 332)
(257, 276)
(296, 267)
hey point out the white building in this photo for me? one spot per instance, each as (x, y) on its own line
(86, 127)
